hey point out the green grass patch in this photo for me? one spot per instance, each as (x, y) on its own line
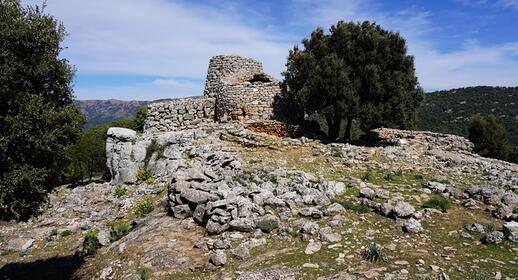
(91, 242)
(373, 253)
(349, 205)
(145, 207)
(438, 202)
(120, 191)
(118, 229)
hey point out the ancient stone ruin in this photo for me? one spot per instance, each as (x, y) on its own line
(236, 89)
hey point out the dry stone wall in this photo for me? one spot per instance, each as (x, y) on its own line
(236, 88)
(247, 100)
(179, 114)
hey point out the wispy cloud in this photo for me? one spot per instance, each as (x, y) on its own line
(173, 39)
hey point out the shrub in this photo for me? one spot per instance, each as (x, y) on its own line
(120, 191)
(65, 233)
(419, 176)
(389, 177)
(438, 202)
(267, 225)
(358, 208)
(515, 210)
(491, 227)
(145, 273)
(489, 137)
(481, 276)
(367, 176)
(144, 173)
(373, 253)
(145, 207)
(91, 242)
(118, 229)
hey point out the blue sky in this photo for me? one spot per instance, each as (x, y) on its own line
(152, 49)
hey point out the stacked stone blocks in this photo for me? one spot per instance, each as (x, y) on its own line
(236, 88)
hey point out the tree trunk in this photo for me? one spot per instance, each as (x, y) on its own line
(333, 128)
(347, 135)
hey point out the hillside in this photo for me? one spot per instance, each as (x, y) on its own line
(449, 111)
(228, 202)
(104, 111)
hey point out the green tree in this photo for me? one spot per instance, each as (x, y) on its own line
(140, 118)
(38, 120)
(358, 72)
(489, 136)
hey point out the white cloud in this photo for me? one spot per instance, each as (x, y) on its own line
(157, 89)
(176, 39)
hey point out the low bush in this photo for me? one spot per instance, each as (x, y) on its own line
(120, 191)
(91, 242)
(367, 176)
(438, 202)
(145, 273)
(349, 205)
(65, 233)
(481, 276)
(267, 225)
(144, 173)
(145, 207)
(118, 229)
(373, 253)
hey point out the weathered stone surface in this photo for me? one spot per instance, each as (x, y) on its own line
(218, 258)
(312, 247)
(403, 209)
(510, 230)
(494, 237)
(412, 226)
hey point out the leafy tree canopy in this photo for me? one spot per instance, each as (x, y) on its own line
(37, 117)
(489, 136)
(358, 72)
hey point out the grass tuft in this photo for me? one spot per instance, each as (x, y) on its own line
(438, 202)
(349, 205)
(373, 253)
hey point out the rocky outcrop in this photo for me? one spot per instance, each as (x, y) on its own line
(389, 136)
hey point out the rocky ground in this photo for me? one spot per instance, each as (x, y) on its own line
(244, 204)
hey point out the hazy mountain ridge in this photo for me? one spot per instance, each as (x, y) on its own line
(450, 111)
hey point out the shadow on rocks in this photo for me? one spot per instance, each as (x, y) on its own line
(56, 268)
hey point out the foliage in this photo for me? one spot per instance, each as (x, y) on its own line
(91, 242)
(358, 208)
(358, 71)
(489, 137)
(153, 148)
(145, 273)
(65, 233)
(481, 276)
(145, 207)
(118, 229)
(120, 191)
(144, 174)
(38, 119)
(140, 118)
(373, 253)
(267, 225)
(87, 158)
(438, 202)
(367, 176)
(450, 111)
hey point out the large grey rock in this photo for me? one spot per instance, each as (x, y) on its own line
(241, 252)
(403, 209)
(412, 226)
(494, 237)
(367, 193)
(334, 209)
(120, 155)
(311, 212)
(503, 212)
(510, 230)
(313, 247)
(242, 224)
(218, 258)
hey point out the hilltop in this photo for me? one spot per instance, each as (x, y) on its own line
(450, 111)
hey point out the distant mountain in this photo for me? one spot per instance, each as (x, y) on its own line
(449, 111)
(105, 111)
